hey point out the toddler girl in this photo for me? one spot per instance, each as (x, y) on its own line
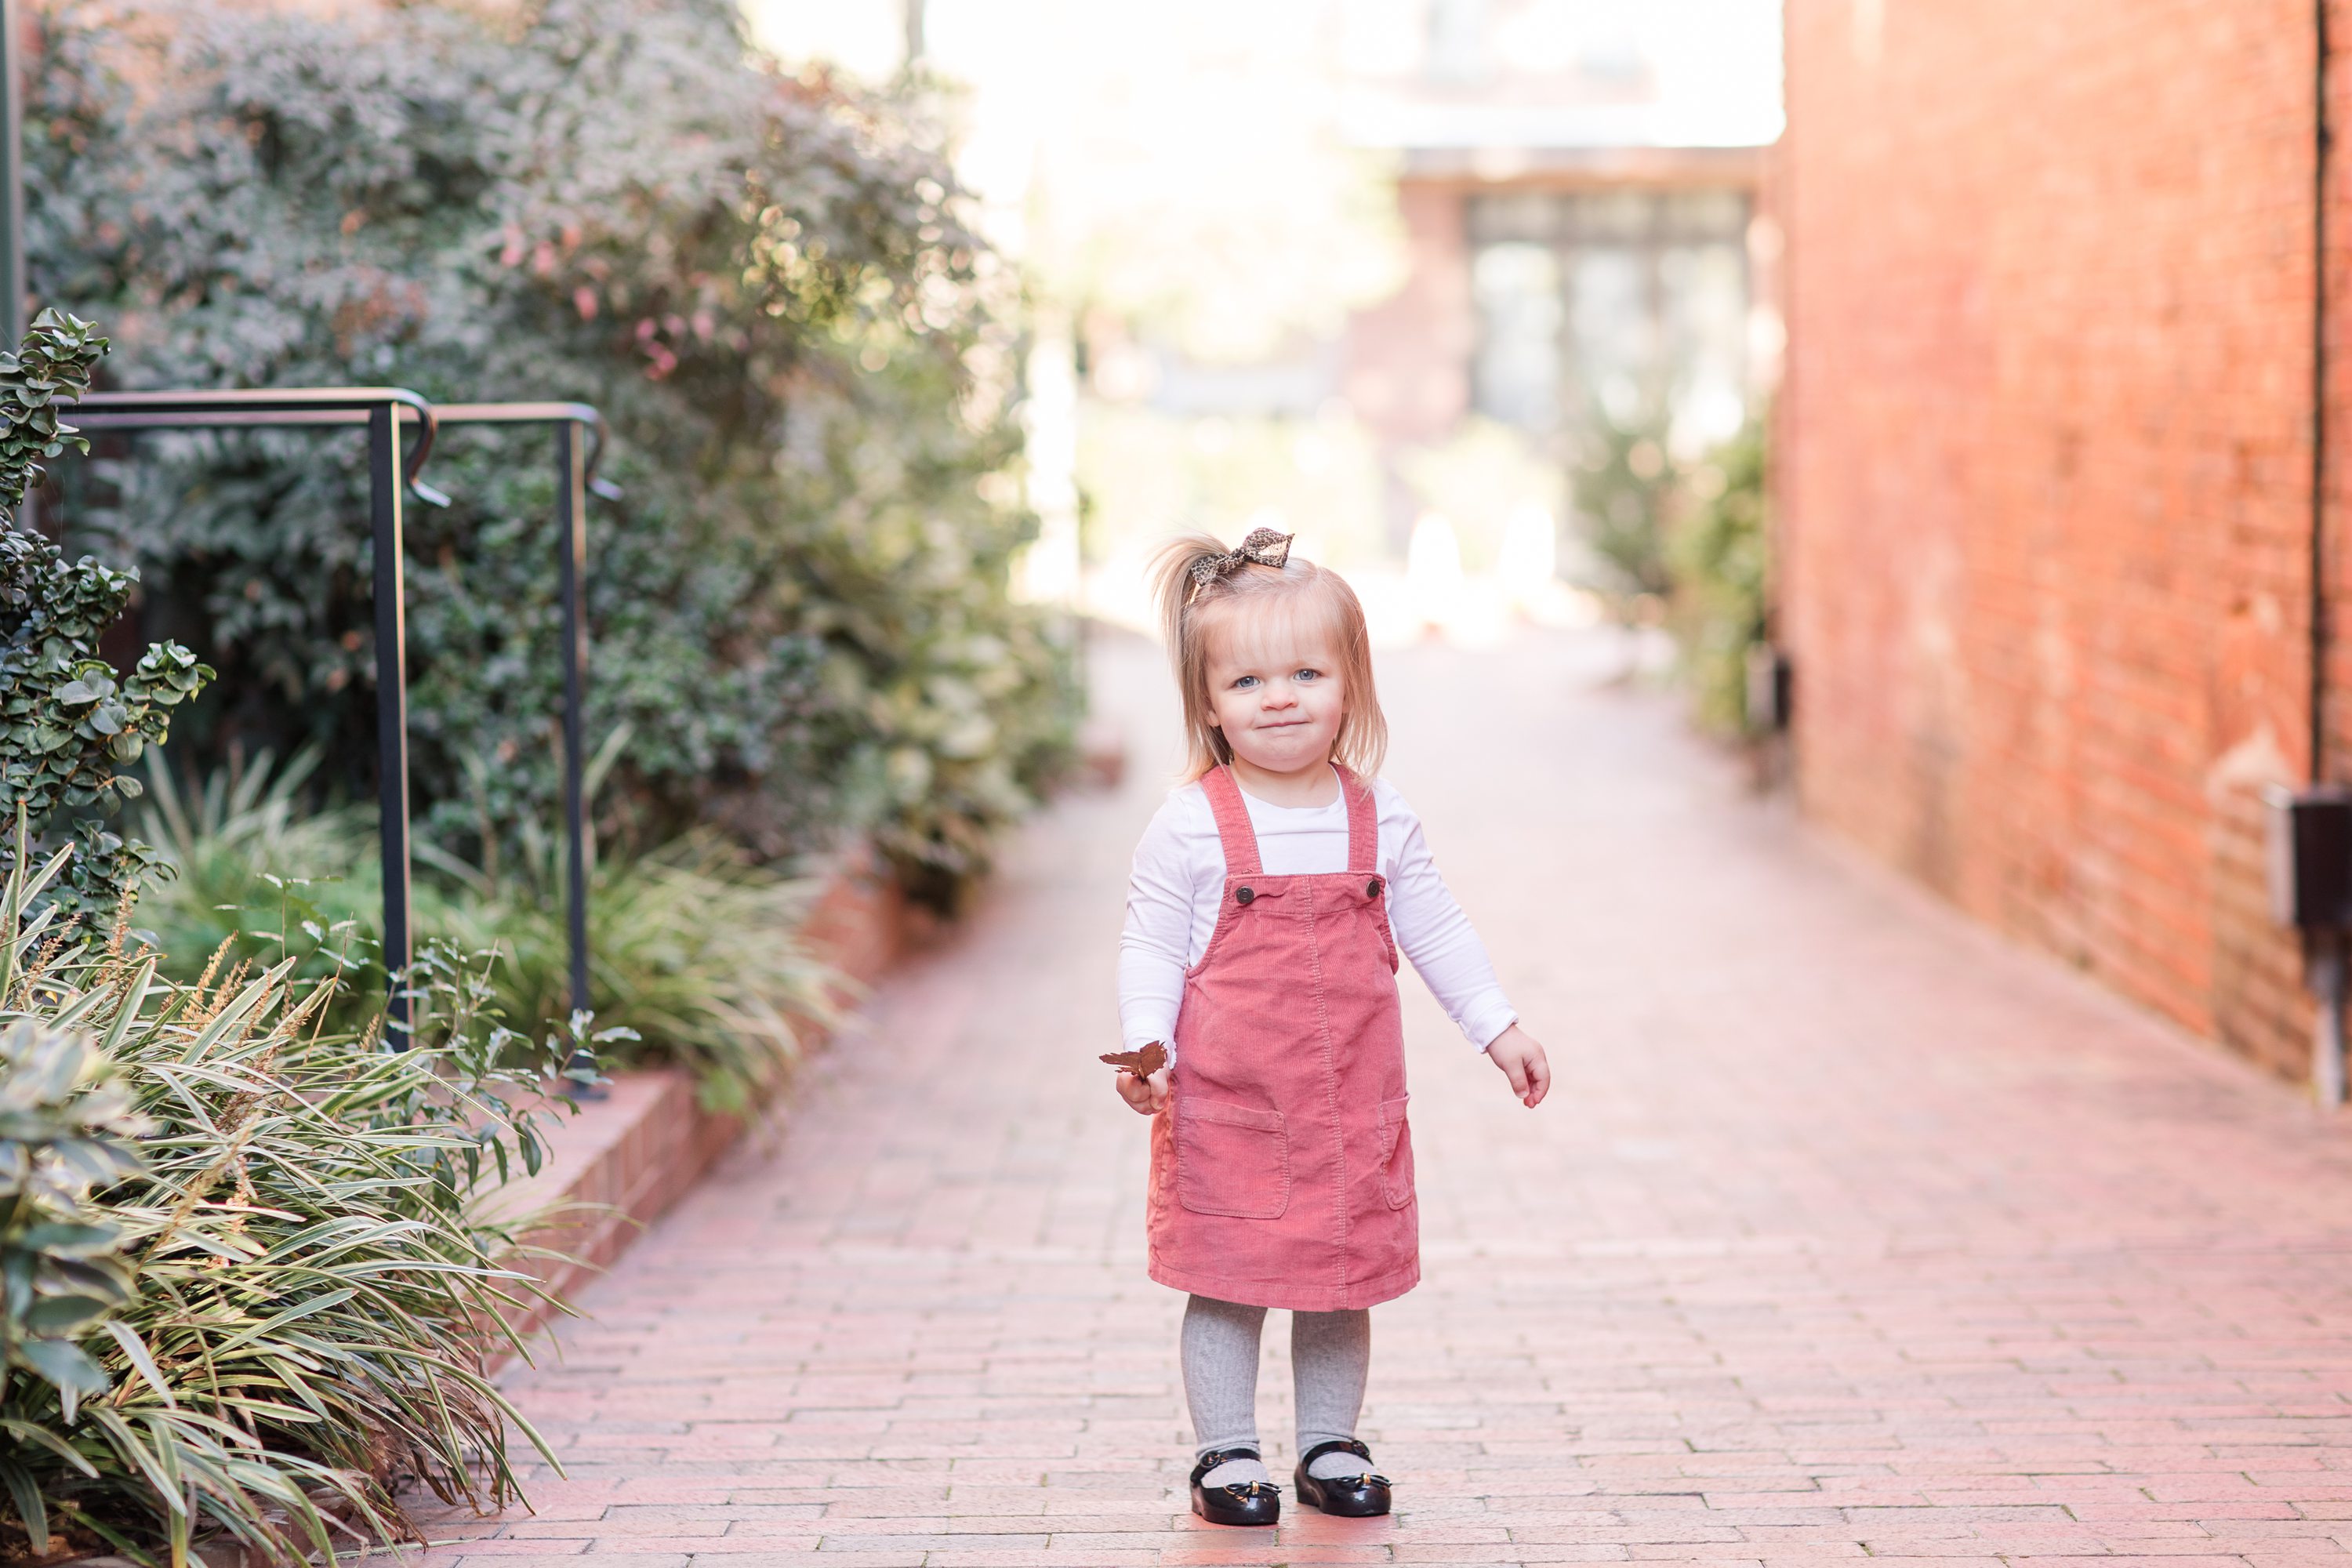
(1270, 898)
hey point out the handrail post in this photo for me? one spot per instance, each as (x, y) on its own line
(571, 547)
(380, 409)
(14, 242)
(390, 714)
(579, 444)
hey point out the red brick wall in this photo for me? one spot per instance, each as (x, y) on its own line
(2044, 468)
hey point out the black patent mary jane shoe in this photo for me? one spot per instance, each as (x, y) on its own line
(1347, 1496)
(1252, 1503)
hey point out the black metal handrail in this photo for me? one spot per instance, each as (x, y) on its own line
(258, 408)
(575, 479)
(539, 414)
(378, 408)
(382, 410)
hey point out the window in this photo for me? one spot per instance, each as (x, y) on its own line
(1635, 301)
(1516, 377)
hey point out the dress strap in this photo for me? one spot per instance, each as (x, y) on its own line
(1232, 821)
(1363, 824)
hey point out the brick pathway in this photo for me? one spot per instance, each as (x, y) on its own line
(1848, 1230)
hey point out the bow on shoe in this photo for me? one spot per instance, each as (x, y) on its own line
(1264, 546)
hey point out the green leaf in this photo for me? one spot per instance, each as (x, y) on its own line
(30, 1509)
(136, 1349)
(42, 1438)
(133, 1452)
(71, 1239)
(73, 1373)
(54, 1314)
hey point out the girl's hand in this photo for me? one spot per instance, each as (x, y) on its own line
(1523, 1062)
(1148, 1096)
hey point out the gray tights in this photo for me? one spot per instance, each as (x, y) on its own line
(1330, 1355)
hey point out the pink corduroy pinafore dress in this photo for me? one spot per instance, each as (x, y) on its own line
(1282, 1169)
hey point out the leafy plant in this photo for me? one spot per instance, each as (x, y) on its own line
(1719, 557)
(697, 953)
(278, 1306)
(1626, 485)
(769, 284)
(64, 1124)
(67, 722)
(50, 369)
(257, 873)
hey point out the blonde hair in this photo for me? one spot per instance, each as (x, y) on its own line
(1190, 612)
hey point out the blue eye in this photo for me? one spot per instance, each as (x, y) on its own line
(1246, 682)
(1309, 675)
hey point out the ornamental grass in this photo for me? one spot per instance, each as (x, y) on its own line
(246, 1294)
(698, 954)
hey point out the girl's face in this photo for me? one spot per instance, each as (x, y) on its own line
(1274, 689)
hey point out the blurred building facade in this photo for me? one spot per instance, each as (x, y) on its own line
(2045, 477)
(1579, 213)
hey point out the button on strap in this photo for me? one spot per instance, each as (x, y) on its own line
(1244, 895)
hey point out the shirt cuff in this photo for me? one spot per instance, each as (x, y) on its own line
(1484, 1026)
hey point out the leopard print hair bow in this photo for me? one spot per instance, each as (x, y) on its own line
(1264, 546)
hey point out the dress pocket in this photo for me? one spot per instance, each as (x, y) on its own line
(1231, 1159)
(1396, 1154)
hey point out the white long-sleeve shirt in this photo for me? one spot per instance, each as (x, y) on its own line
(1179, 884)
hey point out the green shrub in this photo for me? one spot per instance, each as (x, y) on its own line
(241, 1288)
(1625, 484)
(697, 955)
(766, 281)
(248, 859)
(38, 378)
(67, 720)
(247, 1288)
(1718, 555)
(64, 1128)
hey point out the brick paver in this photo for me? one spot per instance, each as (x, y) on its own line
(1848, 1231)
